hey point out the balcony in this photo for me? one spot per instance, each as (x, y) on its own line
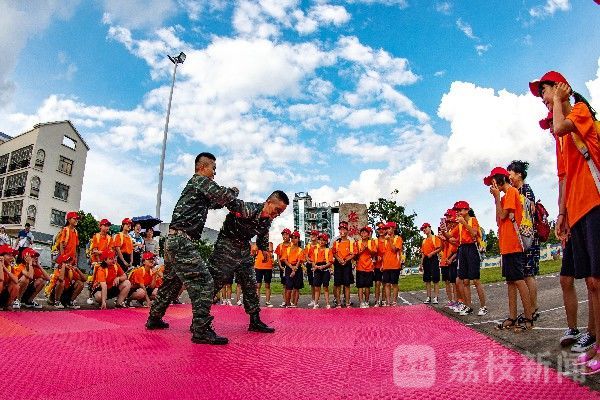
(18, 191)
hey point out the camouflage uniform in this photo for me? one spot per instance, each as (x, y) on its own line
(183, 263)
(232, 250)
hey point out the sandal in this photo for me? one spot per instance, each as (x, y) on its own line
(584, 358)
(593, 367)
(523, 326)
(536, 315)
(502, 326)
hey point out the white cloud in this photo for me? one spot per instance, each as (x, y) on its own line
(136, 14)
(399, 3)
(466, 29)
(444, 7)
(440, 73)
(369, 117)
(329, 14)
(482, 48)
(549, 8)
(19, 21)
(594, 89)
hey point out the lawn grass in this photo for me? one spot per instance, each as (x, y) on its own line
(413, 283)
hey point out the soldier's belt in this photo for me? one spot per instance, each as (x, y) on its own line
(177, 232)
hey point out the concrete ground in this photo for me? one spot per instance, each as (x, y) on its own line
(542, 343)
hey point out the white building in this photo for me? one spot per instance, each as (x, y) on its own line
(41, 177)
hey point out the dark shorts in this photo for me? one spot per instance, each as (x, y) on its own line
(364, 279)
(111, 293)
(282, 276)
(469, 262)
(28, 291)
(309, 273)
(568, 264)
(513, 265)
(431, 269)
(149, 291)
(585, 239)
(66, 296)
(378, 276)
(342, 274)
(264, 274)
(453, 271)
(4, 298)
(532, 264)
(321, 277)
(126, 257)
(391, 276)
(296, 281)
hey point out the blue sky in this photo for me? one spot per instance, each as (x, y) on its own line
(348, 100)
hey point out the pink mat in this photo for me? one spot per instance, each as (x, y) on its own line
(403, 352)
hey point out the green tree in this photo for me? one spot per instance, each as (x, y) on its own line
(206, 249)
(86, 228)
(492, 249)
(552, 239)
(389, 210)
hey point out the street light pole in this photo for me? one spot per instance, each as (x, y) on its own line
(175, 60)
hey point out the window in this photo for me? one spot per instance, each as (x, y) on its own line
(3, 163)
(40, 158)
(324, 214)
(61, 191)
(15, 184)
(70, 143)
(11, 212)
(57, 217)
(35, 187)
(1, 186)
(65, 165)
(31, 212)
(20, 158)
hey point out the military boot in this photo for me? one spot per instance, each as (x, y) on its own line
(256, 325)
(156, 323)
(208, 336)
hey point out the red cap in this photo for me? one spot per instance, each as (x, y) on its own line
(324, 236)
(425, 225)
(366, 229)
(286, 230)
(343, 225)
(391, 224)
(108, 253)
(496, 171)
(450, 215)
(105, 222)
(148, 256)
(314, 232)
(295, 234)
(461, 205)
(30, 252)
(126, 221)
(72, 214)
(63, 258)
(546, 123)
(550, 76)
(6, 249)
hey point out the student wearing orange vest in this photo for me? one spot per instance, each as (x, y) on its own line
(377, 274)
(100, 241)
(143, 281)
(509, 214)
(40, 277)
(322, 269)
(430, 263)
(579, 210)
(263, 267)
(466, 234)
(309, 263)
(69, 239)
(65, 284)
(366, 249)
(294, 279)
(343, 253)
(123, 245)
(110, 281)
(391, 263)
(9, 283)
(450, 270)
(24, 273)
(281, 253)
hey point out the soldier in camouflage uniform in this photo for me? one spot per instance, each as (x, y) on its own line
(232, 250)
(183, 263)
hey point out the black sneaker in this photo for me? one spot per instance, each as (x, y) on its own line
(569, 337)
(156, 323)
(208, 336)
(584, 342)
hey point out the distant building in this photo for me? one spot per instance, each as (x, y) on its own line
(41, 177)
(309, 216)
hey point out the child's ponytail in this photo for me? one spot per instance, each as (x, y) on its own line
(580, 99)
